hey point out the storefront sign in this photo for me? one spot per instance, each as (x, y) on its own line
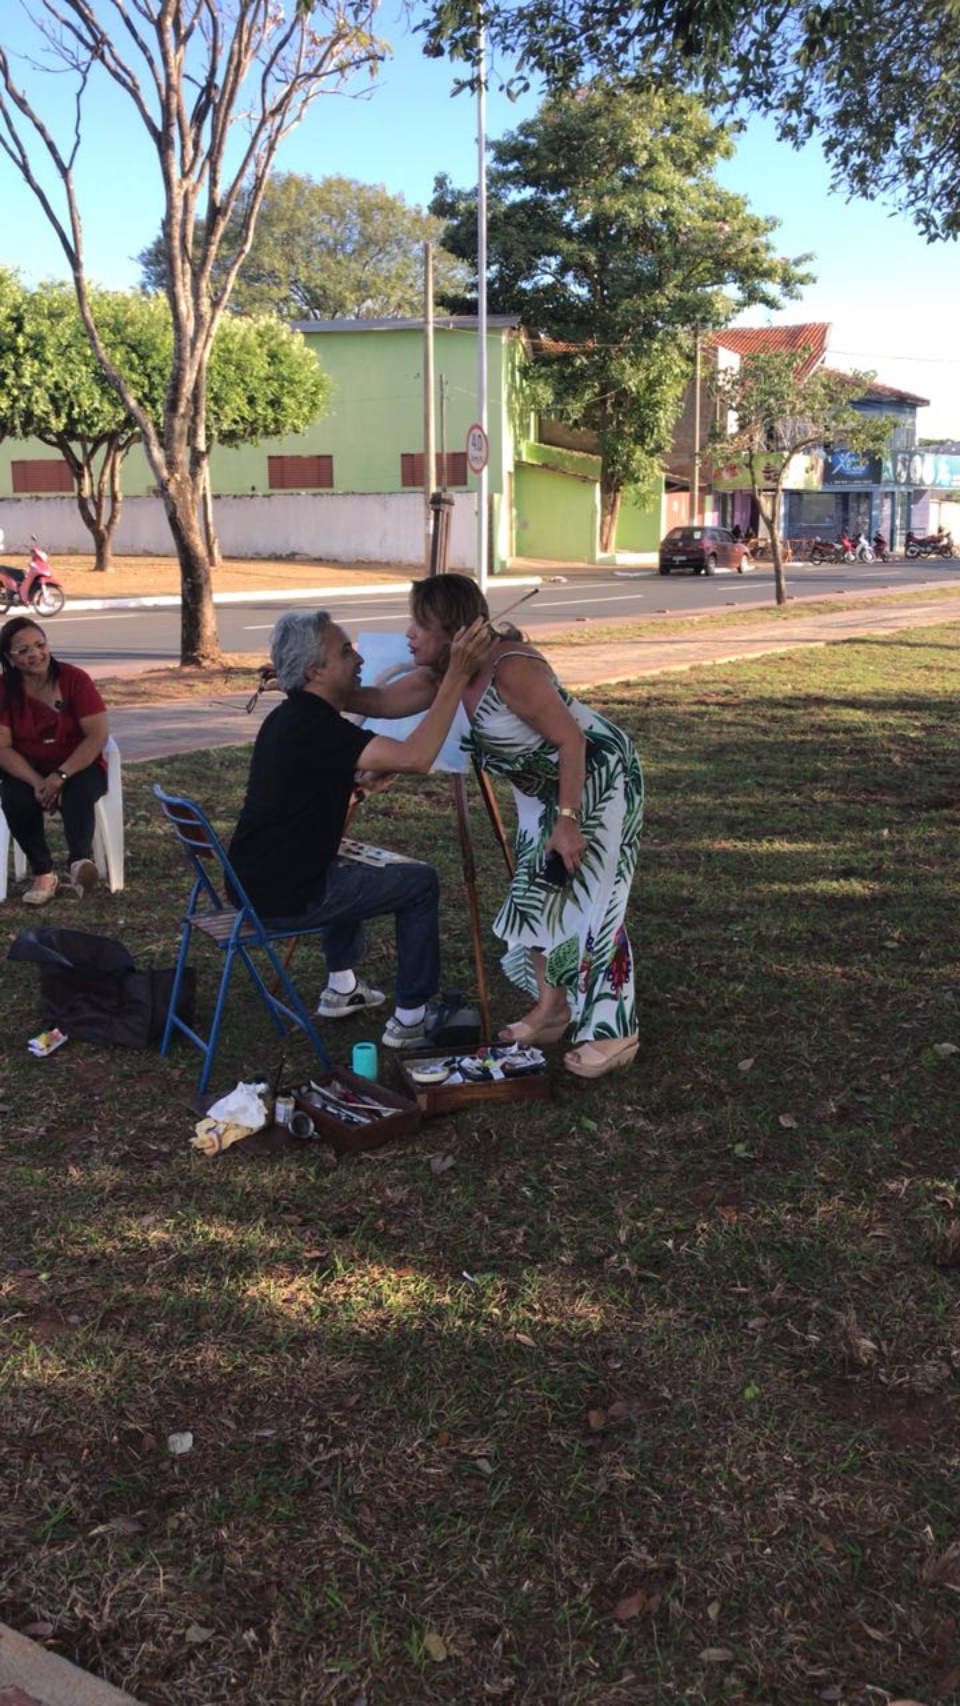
(850, 468)
(803, 474)
(928, 468)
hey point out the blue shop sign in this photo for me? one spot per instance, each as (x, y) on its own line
(928, 468)
(851, 468)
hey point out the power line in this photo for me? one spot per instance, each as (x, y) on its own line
(874, 355)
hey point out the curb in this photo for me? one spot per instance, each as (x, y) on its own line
(30, 1675)
(171, 601)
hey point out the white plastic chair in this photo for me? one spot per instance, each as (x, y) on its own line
(107, 835)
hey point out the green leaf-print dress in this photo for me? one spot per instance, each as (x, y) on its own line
(579, 928)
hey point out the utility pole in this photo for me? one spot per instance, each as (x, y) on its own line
(482, 520)
(429, 433)
(695, 482)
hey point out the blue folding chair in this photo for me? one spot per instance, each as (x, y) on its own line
(236, 930)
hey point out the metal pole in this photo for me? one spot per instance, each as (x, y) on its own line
(695, 484)
(429, 435)
(482, 517)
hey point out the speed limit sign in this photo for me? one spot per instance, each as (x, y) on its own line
(478, 448)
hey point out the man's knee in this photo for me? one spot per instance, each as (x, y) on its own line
(425, 884)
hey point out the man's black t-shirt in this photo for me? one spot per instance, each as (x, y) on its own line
(298, 791)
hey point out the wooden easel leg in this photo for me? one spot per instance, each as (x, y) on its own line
(470, 884)
(493, 812)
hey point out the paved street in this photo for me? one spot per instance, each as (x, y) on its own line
(187, 726)
(112, 640)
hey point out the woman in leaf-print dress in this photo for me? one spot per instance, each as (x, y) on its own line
(578, 791)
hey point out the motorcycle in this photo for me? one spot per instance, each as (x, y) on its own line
(831, 551)
(939, 544)
(861, 550)
(35, 587)
(880, 547)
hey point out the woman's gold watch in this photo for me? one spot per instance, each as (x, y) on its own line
(568, 811)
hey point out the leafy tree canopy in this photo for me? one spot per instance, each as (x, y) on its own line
(877, 81)
(770, 410)
(326, 249)
(609, 235)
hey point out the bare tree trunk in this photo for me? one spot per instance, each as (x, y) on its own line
(199, 643)
(209, 523)
(609, 515)
(770, 516)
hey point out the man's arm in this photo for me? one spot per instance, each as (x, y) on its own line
(471, 647)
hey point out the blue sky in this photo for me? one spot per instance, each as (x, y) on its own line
(892, 300)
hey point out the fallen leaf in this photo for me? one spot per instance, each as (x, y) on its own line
(715, 1655)
(630, 1606)
(441, 1163)
(178, 1444)
(38, 1631)
(484, 1465)
(945, 1048)
(436, 1646)
(597, 1419)
(788, 1121)
(713, 1610)
(119, 1525)
(196, 1635)
(745, 1065)
(525, 1339)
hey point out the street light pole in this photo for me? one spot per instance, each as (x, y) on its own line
(482, 520)
(695, 482)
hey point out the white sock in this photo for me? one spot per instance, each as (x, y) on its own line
(409, 1015)
(342, 982)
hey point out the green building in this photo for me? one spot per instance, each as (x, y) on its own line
(351, 487)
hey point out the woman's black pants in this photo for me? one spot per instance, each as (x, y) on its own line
(28, 821)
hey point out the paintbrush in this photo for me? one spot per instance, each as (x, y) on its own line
(494, 620)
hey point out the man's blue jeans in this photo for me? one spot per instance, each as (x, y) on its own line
(355, 892)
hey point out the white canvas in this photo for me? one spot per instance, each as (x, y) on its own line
(381, 654)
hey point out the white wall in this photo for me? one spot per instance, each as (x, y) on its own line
(339, 527)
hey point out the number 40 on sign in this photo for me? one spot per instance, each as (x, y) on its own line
(478, 448)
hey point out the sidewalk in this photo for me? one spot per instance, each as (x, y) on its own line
(191, 725)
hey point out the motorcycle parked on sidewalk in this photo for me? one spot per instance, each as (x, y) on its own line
(939, 544)
(861, 549)
(34, 588)
(881, 549)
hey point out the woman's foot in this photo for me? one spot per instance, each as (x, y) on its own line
(84, 876)
(606, 1054)
(41, 890)
(545, 1023)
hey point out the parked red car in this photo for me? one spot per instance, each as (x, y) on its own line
(703, 550)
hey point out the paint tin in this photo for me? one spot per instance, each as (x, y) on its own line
(283, 1109)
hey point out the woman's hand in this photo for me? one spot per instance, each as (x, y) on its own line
(47, 791)
(567, 840)
(373, 781)
(471, 647)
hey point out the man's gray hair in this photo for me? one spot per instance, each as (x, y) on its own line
(298, 643)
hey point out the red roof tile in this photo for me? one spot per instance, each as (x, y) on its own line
(756, 340)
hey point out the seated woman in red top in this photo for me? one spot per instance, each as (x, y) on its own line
(53, 728)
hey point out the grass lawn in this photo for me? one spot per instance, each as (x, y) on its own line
(645, 1394)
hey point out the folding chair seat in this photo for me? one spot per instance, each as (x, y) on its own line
(108, 848)
(235, 930)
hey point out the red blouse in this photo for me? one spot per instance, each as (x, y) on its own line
(47, 735)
